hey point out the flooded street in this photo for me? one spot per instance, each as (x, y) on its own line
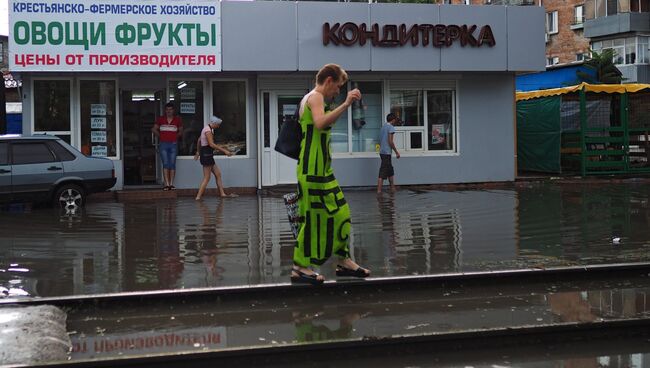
(167, 244)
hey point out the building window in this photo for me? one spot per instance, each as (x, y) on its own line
(187, 97)
(551, 22)
(630, 50)
(367, 117)
(229, 104)
(4, 155)
(638, 6)
(428, 119)
(52, 108)
(2, 52)
(642, 50)
(552, 60)
(581, 56)
(98, 117)
(578, 14)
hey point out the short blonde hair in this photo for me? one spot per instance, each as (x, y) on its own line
(335, 71)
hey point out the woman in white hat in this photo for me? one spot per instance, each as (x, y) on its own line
(205, 151)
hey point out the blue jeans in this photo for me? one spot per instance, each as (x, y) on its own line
(168, 151)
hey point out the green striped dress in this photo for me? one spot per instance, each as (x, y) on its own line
(325, 214)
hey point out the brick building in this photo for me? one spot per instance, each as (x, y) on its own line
(565, 41)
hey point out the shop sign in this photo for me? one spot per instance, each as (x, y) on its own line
(120, 35)
(97, 123)
(392, 35)
(99, 151)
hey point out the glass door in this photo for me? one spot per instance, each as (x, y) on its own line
(140, 108)
(286, 105)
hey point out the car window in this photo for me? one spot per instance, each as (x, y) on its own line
(4, 157)
(31, 153)
(61, 152)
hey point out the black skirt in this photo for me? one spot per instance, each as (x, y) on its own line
(206, 156)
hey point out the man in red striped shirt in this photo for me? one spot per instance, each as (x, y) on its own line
(168, 129)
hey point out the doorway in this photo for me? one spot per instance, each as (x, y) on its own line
(277, 108)
(140, 108)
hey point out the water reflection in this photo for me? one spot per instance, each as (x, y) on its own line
(112, 247)
(237, 321)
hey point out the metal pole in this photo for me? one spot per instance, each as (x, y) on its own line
(3, 108)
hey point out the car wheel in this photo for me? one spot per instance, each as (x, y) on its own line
(69, 197)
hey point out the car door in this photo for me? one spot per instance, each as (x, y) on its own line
(5, 172)
(34, 169)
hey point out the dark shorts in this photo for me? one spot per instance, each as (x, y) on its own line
(206, 156)
(386, 169)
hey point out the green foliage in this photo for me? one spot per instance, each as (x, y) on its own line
(605, 70)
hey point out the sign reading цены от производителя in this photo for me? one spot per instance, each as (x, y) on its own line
(122, 35)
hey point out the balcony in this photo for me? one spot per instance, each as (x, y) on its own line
(609, 17)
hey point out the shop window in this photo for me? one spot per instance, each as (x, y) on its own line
(98, 118)
(440, 116)
(340, 131)
(52, 107)
(408, 106)
(229, 104)
(428, 119)
(31, 153)
(187, 97)
(367, 117)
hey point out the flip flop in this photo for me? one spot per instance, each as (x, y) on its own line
(305, 278)
(359, 272)
(166, 188)
(231, 195)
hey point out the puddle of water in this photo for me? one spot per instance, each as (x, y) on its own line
(113, 247)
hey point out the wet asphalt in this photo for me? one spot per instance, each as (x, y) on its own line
(112, 247)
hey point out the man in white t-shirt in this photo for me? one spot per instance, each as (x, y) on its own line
(386, 148)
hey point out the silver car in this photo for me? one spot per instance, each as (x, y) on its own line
(45, 168)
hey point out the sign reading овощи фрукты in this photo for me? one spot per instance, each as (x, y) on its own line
(121, 35)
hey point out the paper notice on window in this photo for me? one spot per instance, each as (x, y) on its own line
(98, 109)
(289, 110)
(188, 93)
(98, 136)
(97, 123)
(437, 133)
(188, 107)
(99, 151)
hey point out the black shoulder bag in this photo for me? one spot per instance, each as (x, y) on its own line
(289, 138)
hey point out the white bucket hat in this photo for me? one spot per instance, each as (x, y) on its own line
(215, 120)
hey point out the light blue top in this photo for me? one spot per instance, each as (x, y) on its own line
(384, 147)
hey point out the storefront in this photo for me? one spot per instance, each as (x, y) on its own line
(97, 75)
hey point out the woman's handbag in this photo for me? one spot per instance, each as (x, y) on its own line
(289, 138)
